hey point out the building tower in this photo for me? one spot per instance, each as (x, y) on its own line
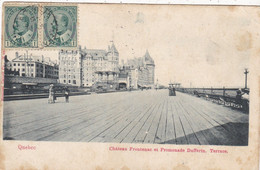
(70, 67)
(113, 58)
(149, 62)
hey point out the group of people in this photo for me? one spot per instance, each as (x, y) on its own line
(52, 96)
(172, 90)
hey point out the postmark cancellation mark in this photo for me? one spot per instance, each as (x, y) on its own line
(60, 26)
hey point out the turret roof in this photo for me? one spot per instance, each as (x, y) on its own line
(113, 48)
(148, 58)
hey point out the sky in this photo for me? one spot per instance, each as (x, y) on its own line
(195, 46)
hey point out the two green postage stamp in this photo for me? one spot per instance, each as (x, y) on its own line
(57, 25)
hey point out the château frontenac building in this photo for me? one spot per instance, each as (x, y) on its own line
(100, 68)
(89, 67)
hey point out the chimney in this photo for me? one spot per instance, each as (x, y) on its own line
(16, 55)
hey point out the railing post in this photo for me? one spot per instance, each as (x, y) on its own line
(224, 92)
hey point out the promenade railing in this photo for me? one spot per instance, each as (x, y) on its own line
(226, 96)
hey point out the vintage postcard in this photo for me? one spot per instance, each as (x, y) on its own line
(121, 86)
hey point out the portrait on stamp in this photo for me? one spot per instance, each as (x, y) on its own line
(60, 26)
(21, 27)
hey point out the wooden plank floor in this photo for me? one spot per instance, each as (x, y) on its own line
(128, 117)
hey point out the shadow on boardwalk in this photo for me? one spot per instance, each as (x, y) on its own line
(231, 134)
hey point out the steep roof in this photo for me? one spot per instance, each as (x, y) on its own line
(113, 48)
(95, 53)
(148, 58)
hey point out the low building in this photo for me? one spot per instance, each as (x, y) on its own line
(34, 66)
(128, 77)
(29, 74)
(123, 79)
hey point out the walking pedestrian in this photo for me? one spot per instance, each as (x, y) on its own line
(66, 94)
(51, 94)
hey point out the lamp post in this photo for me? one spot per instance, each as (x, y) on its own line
(246, 72)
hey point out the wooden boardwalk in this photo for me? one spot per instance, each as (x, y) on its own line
(127, 117)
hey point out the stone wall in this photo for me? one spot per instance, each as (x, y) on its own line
(18, 79)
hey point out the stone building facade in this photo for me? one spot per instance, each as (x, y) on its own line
(70, 67)
(34, 66)
(128, 77)
(97, 68)
(89, 67)
(144, 66)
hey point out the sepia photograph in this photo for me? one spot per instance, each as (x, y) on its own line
(140, 75)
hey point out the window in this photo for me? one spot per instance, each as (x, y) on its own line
(23, 74)
(32, 75)
(19, 64)
(64, 81)
(74, 81)
(23, 64)
(69, 81)
(14, 64)
(23, 69)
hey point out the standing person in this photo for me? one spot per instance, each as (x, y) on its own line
(66, 94)
(51, 94)
(239, 96)
(174, 91)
